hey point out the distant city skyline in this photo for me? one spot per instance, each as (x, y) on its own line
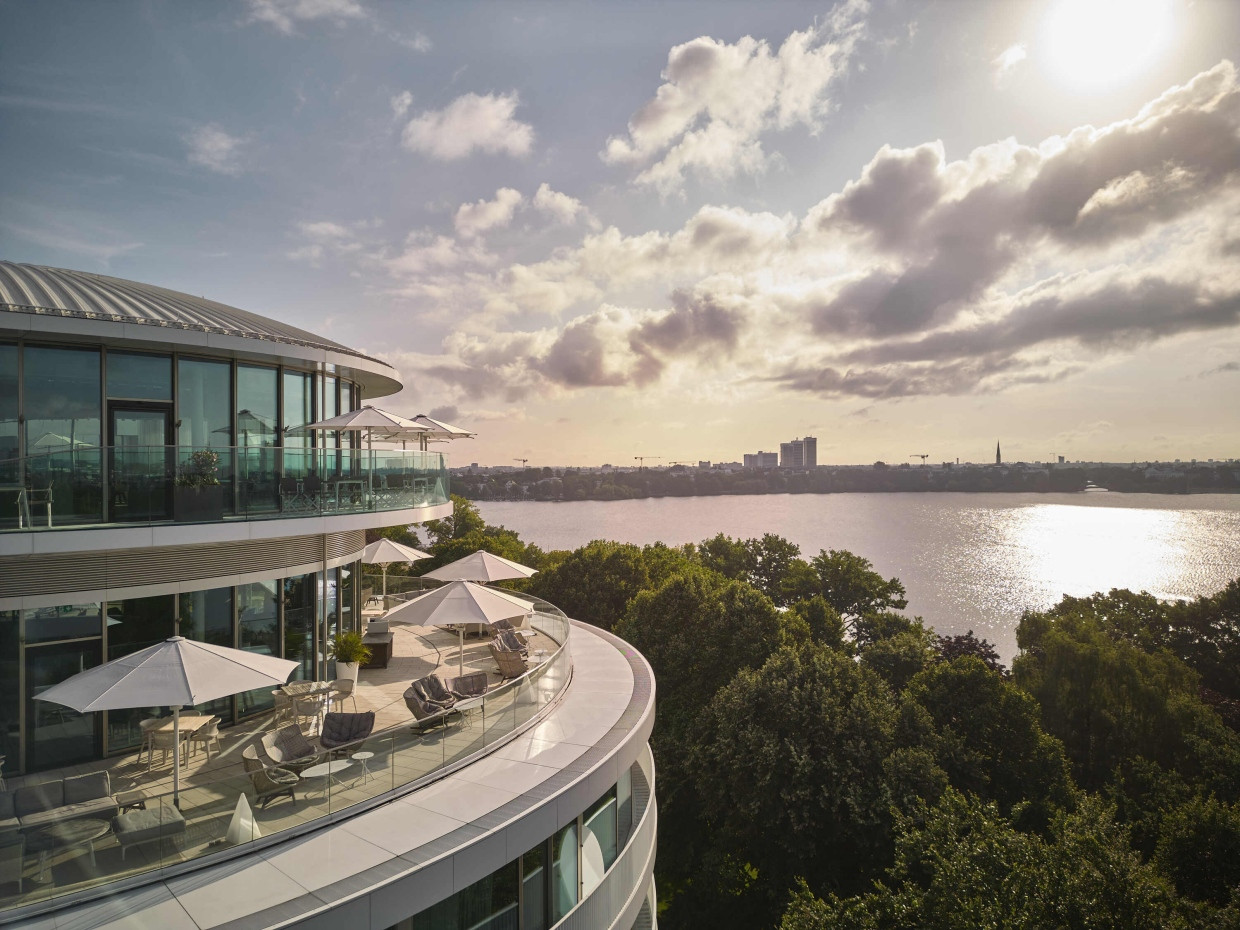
(593, 232)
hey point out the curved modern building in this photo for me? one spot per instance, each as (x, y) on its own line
(156, 479)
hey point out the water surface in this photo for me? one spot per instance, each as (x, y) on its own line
(968, 561)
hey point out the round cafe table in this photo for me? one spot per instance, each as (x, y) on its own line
(80, 832)
(326, 771)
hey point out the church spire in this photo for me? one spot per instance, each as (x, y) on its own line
(998, 454)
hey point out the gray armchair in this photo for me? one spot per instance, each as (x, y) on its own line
(425, 714)
(269, 783)
(511, 663)
(346, 730)
(468, 686)
(288, 747)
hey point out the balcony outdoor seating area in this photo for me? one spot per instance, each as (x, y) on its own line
(322, 748)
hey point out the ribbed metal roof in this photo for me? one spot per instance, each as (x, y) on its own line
(60, 292)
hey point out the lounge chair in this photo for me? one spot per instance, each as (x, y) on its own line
(511, 664)
(288, 747)
(433, 691)
(508, 639)
(425, 715)
(341, 730)
(468, 686)
(269, 782)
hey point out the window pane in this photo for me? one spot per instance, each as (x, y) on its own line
(76, 621)
(134, 624)
(598, 842)
(55, 734)
(258, 630)
(534, 888)
(299, 623)
(206, 617)
(8, 404)
(564, 872)
(204, 403)
(10, 708)
(257, 422)
(62, 406)
(139, 377)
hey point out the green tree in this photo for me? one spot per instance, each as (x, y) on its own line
(962, 865)
(465, 519)
(897, 658)
(1200, 850)
(850, 585)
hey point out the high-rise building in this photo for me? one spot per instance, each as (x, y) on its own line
(156, 481)
(761, 460)
(800, 453)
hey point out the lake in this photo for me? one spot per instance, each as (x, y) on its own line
(968, 561)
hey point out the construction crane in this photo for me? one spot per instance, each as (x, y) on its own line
(522, 461)
(681, 463)
(641, 460)
(921, 455)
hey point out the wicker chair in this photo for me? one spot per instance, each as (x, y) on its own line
(288, 747)
(432, 690)
(207, 734)
(508, 639)
(269, 782)
(425, 715)
(511, 663)
(346, 730)
(468, 686)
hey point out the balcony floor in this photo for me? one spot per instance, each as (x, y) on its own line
(209, 788)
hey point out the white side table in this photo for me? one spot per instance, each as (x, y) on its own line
(326, 771)
(364, 758)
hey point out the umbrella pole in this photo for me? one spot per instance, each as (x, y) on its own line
(384, 567)
(461, 654)
(176, 756)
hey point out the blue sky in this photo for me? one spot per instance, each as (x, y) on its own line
(592, 231)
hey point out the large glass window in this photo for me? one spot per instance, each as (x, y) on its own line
(331, 438)
(135, 376)
(204, 406)
(57, 735)
(68, 621)
(258, 630)
(8, 405)
(63, 410)
(134, 624)
(598, 841)
(299, 616)
(207, 617)
(257, 429)
(10, 694)
(348, 581)
(488, 904)
(534, 888)
(564, 881)
(298, 411)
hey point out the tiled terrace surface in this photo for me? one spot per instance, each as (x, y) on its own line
(209, 788)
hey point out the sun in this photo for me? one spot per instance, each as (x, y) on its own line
(1099, 44)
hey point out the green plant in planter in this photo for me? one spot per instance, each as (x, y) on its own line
(348, 647)
(200, 471)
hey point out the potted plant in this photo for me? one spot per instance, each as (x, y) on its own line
(198, 496)
(349, 652)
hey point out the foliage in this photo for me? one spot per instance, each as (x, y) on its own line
(1200, 850)
(963, 865)
(595, 582)
(897, 658)
(201, 470)
(850, 585)
(765, 563)
(954, 647)
(465, 519)
(823, 621)
(348, 647)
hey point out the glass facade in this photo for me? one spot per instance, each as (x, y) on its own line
(522, 894)
(44, 646)
(81, 431)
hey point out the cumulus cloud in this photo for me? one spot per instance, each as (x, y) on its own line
(1014, 264)
(284, 15)
(719, 99)
(561, 207)
(214, 149)
(470, 123)
(401, 103)
(474, 219)
(323, 237)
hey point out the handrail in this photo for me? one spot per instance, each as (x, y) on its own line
(407, 761)
(85, 486)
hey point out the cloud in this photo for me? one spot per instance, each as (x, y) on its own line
(401, 103)
(214, 149)
(470, 123)
(719, 99)
(1225, 368)
(561, 207)
(1007, 60)
(324, 237)
(284, 15)
(1015, 264)
(474, 219)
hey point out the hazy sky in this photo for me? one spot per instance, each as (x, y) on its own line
(689, 230)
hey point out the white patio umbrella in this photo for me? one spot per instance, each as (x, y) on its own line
(437, 430)
(457, 603)
(177, 672)
(383, 552)
(376, 423)
(481, 566)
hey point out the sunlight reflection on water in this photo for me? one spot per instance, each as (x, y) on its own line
(968, 561)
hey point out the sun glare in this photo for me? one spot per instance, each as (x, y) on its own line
(1098, 44)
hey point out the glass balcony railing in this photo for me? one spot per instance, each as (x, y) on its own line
(127, 485)
(208, 821)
